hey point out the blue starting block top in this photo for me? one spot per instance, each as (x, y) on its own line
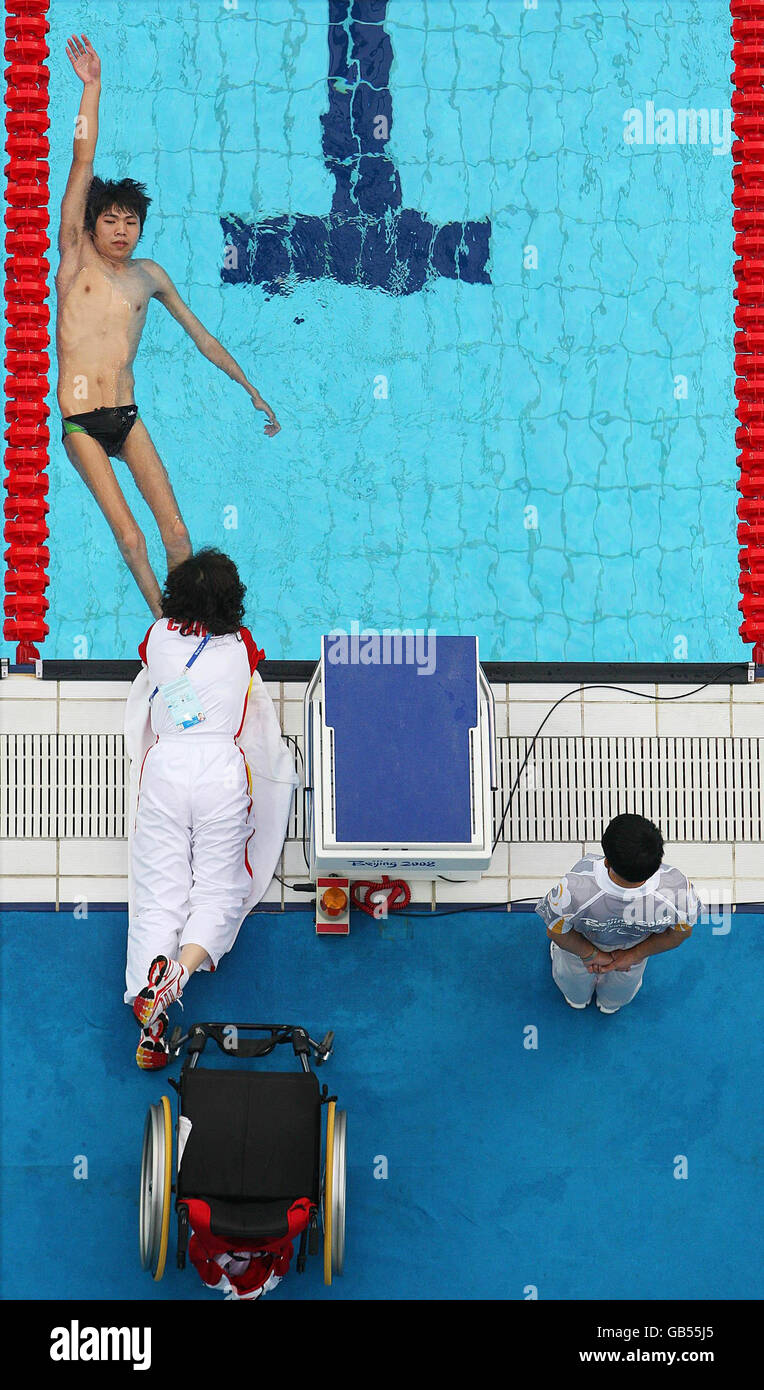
(401, 742)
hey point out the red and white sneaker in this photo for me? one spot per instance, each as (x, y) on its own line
(153, 1048)
(166, 981)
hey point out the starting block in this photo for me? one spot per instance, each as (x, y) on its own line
(400, 763)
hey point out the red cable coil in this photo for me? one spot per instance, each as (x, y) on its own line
(27, 316)
(397, 895)
(748, 222)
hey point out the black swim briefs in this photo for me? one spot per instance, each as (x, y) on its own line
(109, 425)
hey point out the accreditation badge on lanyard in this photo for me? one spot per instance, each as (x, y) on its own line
(180, 697)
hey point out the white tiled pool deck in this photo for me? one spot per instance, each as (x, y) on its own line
(65, 871)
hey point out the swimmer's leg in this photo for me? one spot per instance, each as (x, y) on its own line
(153, 482)
(94, 467)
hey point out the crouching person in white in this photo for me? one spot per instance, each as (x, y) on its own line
(610, 913)
(191, 872)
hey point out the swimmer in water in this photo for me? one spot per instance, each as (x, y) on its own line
(103, 297)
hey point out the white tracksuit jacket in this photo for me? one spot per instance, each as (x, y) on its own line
(191, 871)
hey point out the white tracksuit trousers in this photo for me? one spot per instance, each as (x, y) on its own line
(578, 984)
(189, 851)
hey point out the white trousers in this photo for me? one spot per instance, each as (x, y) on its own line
(189, 851)
(578, 984)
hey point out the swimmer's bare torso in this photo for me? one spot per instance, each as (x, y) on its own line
(103, 298)
(103, 294)
(101, 314)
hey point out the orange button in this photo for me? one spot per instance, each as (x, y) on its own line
(334, 901)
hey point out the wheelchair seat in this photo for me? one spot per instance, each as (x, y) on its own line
(254, 1148)
(256, 1167)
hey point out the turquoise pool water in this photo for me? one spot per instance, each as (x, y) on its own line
(590, 379)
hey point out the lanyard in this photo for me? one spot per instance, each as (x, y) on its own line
(190, 662)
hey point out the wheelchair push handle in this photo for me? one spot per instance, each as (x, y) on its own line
(303, 1045)
(228, 1037)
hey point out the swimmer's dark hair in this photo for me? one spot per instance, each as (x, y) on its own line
(125, 194)
(205, 589)
(633, 847)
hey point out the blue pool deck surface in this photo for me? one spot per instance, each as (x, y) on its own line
(508, 1168)
(540, 451)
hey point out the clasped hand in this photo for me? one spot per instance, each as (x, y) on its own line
(604, 961)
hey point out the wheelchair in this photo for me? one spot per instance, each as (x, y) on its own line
(248, 1174)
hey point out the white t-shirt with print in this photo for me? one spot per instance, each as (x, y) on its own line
(612, 917)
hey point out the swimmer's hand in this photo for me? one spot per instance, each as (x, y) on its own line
(84, 59)
(273, 426)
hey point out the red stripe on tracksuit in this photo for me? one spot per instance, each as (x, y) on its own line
(142, 649)
(255, 656)
(140, 775)
(249, 809)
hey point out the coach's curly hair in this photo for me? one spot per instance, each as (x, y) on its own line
(205, 589)
(125, 194)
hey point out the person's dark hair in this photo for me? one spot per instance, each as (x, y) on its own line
(633, 847)
(205, 589)
(125, 194)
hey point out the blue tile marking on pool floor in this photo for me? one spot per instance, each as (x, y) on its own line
(401, 746)
(507, 1167)
(369, 238)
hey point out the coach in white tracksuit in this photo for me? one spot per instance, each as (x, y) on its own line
(194, 823)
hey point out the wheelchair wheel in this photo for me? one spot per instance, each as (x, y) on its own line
(156, 1187)
(334, 1191)
(338, 1191)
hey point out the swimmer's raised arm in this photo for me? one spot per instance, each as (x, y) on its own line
(208, 345)
(87, 66)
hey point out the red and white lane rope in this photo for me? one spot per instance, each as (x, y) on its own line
(27, 317)
(748, 223)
